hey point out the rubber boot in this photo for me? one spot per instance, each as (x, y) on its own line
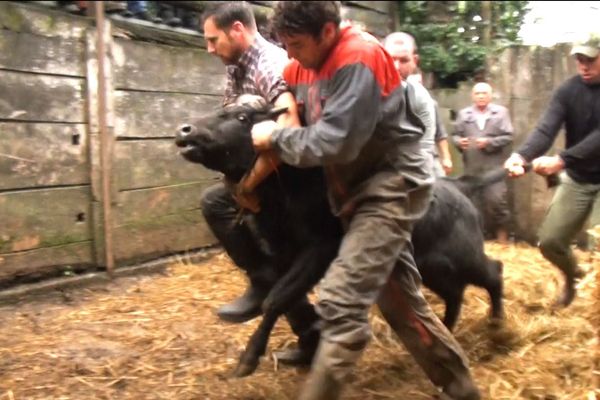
(303, 354)
(304, 322)
(245, 307)
(321, 385)
(461, 388)
(331, 368)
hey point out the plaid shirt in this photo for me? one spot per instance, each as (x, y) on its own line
(259, 71)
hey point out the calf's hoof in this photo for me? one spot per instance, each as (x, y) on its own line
(244, 368)
(496, 322)
(566, 297)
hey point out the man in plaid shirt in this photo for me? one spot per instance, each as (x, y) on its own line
(254, 66)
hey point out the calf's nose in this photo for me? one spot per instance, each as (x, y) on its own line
(185, 130)
(183, 133)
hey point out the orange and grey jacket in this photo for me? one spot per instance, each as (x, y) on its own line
(357, 120)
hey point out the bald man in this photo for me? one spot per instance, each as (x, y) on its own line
(403, 49)
(483, 134)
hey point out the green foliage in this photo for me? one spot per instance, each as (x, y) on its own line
(451, 34)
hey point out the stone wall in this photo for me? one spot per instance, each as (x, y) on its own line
(523, 79)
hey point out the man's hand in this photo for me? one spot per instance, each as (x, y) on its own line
(447, 165)
(463, 143)
(515, 165)
(482, 142)
(547, 165)
(246, 199)
(261, 134)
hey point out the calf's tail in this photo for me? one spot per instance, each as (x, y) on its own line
(471, 184)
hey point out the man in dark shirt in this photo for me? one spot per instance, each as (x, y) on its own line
(576, 104)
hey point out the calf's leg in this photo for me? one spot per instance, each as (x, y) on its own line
(289, 295)
(440, 275)
(256, 347)
(221, 212)
(453, 301)
(494, 287)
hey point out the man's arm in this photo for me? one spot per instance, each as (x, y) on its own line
(445, 156)
(586, 150)
(460, 141)
(544, 134)
(540, 140)
(347, 122)
(424, 107)
(441, 141)
(268, 161)
(289, 118)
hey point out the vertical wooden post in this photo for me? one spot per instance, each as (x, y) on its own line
(105, 159)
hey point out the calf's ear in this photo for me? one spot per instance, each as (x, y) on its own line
(273, 113)
(276, 112)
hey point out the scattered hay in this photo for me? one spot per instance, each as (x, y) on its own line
(157, 337)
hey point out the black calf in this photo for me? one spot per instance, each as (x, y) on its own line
(449, 250)
(304, 236)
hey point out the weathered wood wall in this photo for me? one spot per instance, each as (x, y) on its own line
(50, 203)
(45, 213)
(50, 170)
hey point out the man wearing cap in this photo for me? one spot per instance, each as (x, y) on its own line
(576, 104)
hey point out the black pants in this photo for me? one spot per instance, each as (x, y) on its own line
(242, 244)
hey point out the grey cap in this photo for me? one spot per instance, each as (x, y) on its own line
(589, 48)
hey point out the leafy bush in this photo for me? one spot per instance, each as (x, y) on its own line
(451, 34)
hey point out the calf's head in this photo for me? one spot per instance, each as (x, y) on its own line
(222, 140)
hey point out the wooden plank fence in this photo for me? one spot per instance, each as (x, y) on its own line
(51, 210)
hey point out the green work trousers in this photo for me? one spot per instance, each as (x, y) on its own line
(572, 204)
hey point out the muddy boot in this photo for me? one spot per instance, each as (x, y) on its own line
(244, 308)
(461, 388)
(321, 385)
(301, 355)
(304, 322)
(331, 368)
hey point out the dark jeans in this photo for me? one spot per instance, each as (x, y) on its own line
(242, 244)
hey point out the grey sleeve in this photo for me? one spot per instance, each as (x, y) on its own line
(459, 131)
(348, 120)
(424, 108)
(504, 137)
(440, 131)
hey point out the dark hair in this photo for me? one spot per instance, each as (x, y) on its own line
(300, 17)
(225, 13)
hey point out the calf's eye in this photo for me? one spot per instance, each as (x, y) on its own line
(242, 118)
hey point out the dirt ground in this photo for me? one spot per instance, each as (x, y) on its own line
(157, 337)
